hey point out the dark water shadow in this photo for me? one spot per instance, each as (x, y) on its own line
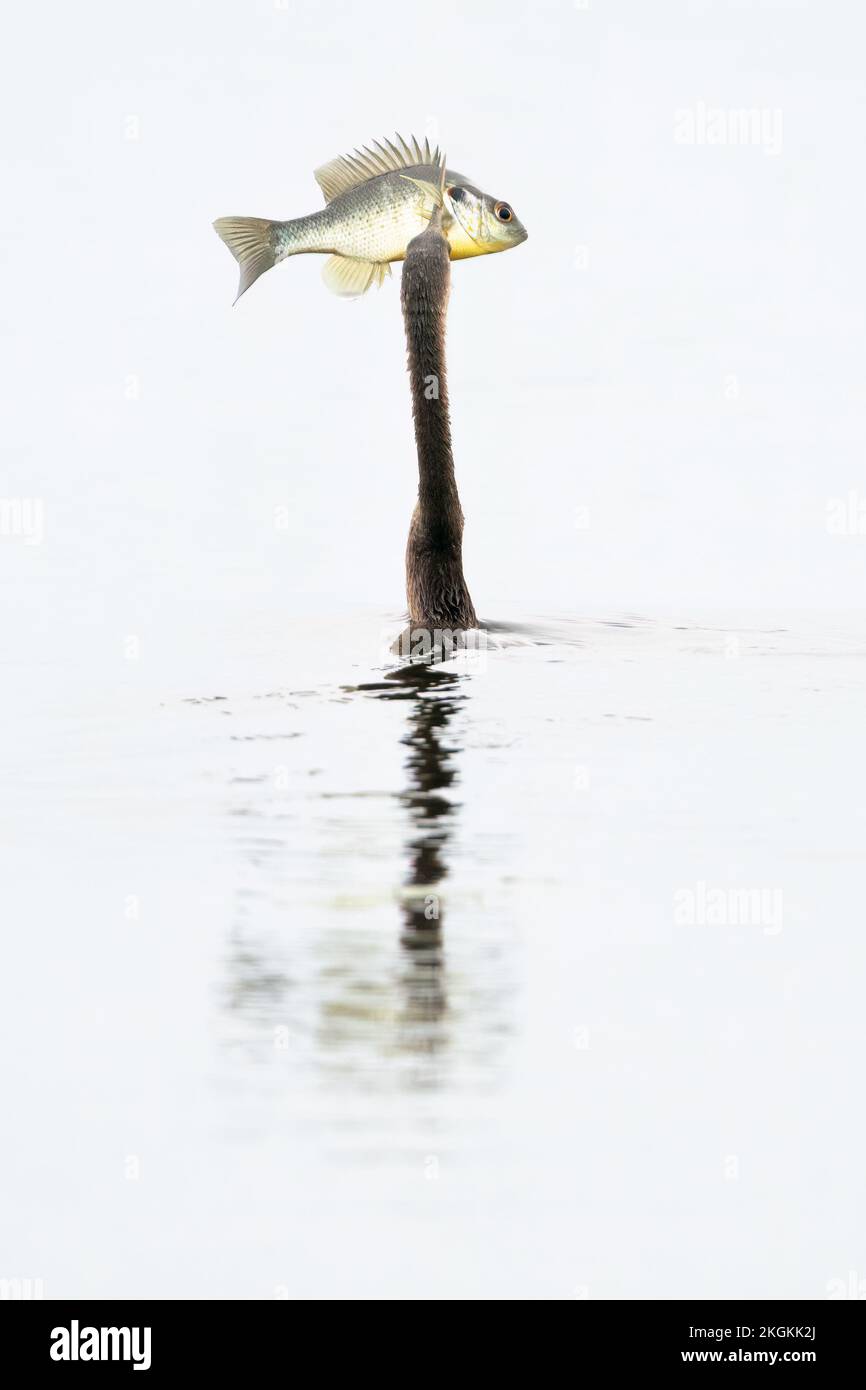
(435, 696)
(347, 970)
(366, 990)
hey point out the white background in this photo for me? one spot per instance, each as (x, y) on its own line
(655, 398)
(711, 273)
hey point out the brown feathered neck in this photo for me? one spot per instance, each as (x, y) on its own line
(436, 587)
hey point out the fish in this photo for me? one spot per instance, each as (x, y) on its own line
(376, 201)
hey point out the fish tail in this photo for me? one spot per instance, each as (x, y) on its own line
(251, 241)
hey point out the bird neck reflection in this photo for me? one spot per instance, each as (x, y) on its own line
(434, 696)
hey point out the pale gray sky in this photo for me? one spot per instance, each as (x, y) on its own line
(655, 398)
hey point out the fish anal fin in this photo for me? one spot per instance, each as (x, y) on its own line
(350, 278)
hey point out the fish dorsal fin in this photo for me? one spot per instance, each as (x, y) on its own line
(350, 170)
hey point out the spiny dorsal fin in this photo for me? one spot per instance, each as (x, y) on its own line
(350, 170)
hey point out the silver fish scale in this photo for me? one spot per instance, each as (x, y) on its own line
(373, 222)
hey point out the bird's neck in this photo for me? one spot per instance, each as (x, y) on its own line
(436, 586)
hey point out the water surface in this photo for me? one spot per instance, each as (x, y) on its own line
(328, 975)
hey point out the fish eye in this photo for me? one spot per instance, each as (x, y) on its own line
(503, 212)
(456, 195)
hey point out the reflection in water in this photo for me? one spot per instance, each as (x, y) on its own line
(317, 965)
(430, 765)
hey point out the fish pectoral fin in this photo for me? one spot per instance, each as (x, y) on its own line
(350, 278)
(430, 190)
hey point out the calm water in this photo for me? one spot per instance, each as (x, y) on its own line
(343, 978)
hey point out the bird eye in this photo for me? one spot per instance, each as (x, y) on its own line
(456, 195)
(503, 212)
